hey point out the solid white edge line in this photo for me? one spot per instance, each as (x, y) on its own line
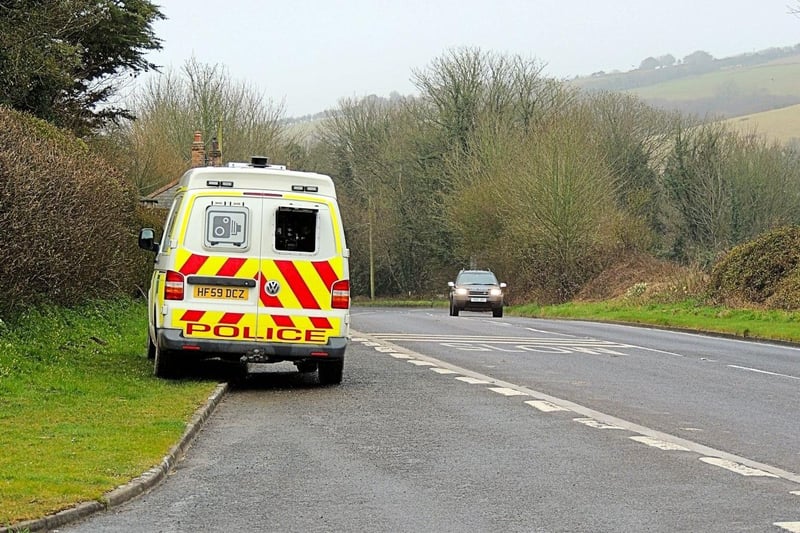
(602, 417)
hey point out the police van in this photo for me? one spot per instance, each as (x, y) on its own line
(252, 267)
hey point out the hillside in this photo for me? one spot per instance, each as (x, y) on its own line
(781, 125)
(753, 92)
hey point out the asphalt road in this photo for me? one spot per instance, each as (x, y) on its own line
(473, 423)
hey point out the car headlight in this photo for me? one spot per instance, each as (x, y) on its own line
(461, 292)
(496, 292)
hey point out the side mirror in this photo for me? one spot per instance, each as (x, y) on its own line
(451, 284)
(147, 237)
(503, 285)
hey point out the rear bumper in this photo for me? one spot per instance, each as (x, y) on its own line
(249, 351)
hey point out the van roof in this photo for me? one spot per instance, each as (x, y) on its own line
(271, 178)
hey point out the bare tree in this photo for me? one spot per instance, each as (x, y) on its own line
(198, 97)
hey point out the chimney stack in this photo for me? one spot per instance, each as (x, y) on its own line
(198, 150)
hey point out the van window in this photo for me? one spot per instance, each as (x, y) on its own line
(169, 227)
(296, 229)
(226, 227)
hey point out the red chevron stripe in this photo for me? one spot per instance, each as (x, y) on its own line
(283, 321)
(297, 284)
(231, 266)
(193, 264)
(320, 322)
(326, 272)
(231, 318)
(192, 316)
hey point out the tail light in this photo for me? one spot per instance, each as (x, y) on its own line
(173, 286)
(340, 294)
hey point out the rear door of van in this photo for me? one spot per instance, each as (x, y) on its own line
(301, 262)
(219, 260)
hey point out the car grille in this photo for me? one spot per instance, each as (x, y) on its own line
(479, 292)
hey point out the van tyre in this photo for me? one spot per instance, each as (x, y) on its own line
(151, 348)
(497, 313)
(330, 372)
(166, 364)
(306, 367)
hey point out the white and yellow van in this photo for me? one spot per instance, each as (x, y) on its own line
(252, 267)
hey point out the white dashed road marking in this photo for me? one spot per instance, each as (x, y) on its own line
(545, 407)
(763, 372)
(591, 418)
(736, 467)
(506, 391)
(793, 527)
(473, 381)
(592, 423)
(660, 444)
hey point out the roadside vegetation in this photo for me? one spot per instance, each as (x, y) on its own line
(80, 410)
(690, 315)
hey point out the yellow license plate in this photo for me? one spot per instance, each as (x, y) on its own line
(221, 293)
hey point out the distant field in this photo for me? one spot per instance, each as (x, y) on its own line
(780, 77)
(737, 92)
(782, 125)
(773, 85)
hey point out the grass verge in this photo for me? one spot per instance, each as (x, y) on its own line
(690, 315)
(80, 411)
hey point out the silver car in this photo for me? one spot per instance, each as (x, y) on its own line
(476, 290)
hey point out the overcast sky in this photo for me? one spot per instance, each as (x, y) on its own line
(311, 53)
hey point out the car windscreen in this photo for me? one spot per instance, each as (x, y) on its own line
(476, 278)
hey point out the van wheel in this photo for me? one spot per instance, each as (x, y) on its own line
(166, 364)
(305, 367)
(330, 372)
(497, 313)
(151, 348)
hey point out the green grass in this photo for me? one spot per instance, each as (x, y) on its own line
(689, 315)
(80, 412)
(393, 302)
(778, 78)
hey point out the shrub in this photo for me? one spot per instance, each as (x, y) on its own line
(68, 219)
(754, 272)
